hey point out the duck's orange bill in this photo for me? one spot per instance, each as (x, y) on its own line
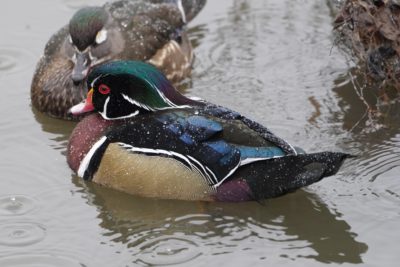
(83, 107)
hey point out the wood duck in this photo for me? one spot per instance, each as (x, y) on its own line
(151, 31)
(149, 140)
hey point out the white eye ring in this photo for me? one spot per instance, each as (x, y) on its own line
(101, 36)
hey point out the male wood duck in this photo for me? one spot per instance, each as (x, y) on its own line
(151, 31)
(149, 140)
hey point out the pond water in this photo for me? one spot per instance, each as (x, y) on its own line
(272, 60)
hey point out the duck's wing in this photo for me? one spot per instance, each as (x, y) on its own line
(254, 127)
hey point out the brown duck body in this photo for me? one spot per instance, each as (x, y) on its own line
(136, 30)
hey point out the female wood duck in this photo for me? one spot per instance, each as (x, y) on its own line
(147, 139)
(151, 31)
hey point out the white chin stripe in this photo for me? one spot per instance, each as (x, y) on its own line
(86, 160)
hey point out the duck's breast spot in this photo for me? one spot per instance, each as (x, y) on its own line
(150, 176)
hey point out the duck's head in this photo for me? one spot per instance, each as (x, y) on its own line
(89, 40)
(123, 89)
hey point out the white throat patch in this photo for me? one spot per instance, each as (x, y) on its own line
(86, 160)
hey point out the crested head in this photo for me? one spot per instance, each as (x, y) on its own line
(122, 89)
(85, 25)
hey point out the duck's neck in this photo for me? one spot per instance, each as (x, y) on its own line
(84, 136)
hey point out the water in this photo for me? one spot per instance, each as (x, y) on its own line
(271, 60)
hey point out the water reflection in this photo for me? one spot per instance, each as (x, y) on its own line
(35, 260)
(375, 139)
(60, 129)
(298, 225)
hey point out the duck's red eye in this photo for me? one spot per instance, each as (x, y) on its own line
(104, 89)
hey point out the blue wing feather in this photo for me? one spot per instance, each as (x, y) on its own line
(202, 127)
(260, 152)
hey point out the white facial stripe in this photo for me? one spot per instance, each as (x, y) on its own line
(136, 103)
(101, 36)
(94, 81)
(105, 106)
(86, 160)
(104, 112)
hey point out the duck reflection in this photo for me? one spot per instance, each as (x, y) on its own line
(294, 223)
(60, 130)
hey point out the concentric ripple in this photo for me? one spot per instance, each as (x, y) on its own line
(16, 205)
(21, 233)
(13, 59)
(167, 251)
(39, 260)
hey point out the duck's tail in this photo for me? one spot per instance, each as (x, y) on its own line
(286, 174)
(278, 176)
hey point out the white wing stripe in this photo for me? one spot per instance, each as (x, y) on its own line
(251, 160)
(227, 176)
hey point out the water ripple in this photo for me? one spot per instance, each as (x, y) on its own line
(167, 250)
(21, 233)
(379, 159)
(16, 205)
(13, 59)
(36, 260)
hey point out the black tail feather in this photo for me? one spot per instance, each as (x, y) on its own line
(278, 176)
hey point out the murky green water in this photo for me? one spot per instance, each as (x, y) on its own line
(271, 60)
